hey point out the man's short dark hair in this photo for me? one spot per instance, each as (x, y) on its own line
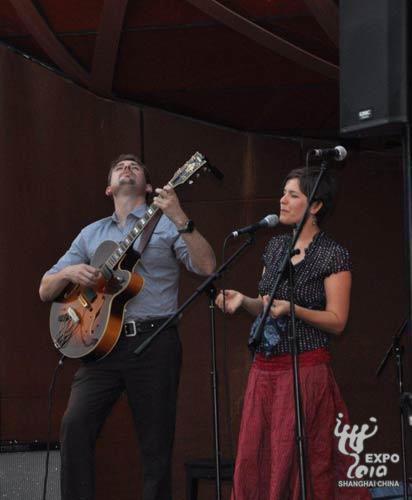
(326, 191)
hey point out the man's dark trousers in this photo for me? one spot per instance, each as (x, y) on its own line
(150, 380)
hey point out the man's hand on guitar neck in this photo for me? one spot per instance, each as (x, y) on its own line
(79, 274)
(169, 204)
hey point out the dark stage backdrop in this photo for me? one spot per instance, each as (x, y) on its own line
(56, 143)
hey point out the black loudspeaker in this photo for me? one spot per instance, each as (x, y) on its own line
(22, 467)
(373, 66)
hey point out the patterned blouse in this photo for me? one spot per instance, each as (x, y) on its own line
(323, 257)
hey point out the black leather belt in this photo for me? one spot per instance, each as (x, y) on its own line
(133, 328)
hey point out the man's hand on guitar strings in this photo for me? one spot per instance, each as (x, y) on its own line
(83, 274)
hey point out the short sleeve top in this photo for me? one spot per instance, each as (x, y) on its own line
(323, 257)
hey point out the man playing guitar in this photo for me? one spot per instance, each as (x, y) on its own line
(151, 378)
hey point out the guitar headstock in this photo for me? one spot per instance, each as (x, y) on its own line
(190, 169)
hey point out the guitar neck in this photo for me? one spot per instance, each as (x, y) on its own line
(128, 241)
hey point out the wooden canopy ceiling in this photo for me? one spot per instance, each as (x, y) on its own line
(267, 66)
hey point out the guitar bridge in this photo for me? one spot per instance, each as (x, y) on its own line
(70, 315)
(73, 315)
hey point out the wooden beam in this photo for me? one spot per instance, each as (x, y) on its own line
(264, 37)
(107, 45)
(326, 13)
(45, 37)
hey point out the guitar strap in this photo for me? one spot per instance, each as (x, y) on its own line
(147, 232)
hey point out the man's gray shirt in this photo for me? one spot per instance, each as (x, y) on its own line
(159, 264)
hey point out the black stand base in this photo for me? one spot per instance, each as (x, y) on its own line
(205, 469)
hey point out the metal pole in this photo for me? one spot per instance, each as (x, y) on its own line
(407, 186)
(214, 385)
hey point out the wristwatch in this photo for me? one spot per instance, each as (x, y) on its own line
(187, 228)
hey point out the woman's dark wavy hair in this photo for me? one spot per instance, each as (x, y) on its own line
(326, 191)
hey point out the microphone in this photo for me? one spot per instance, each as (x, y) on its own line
(338, 153)
(271, 220)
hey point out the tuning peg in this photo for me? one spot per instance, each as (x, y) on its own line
(197, 175)
(190, 182)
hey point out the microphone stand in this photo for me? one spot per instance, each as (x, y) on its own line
(404, 409)
(208, 287)
(300, 437)
(286, 261)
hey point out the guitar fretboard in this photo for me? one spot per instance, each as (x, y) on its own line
(128, 241)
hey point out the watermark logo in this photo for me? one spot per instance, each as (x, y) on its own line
(351, 442)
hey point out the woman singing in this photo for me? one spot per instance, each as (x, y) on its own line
(267, 459)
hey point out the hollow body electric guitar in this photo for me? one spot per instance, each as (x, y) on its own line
(87, 322)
